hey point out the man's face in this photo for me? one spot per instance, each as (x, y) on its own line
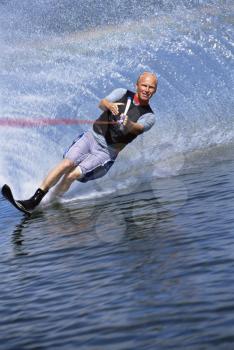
(146, 87)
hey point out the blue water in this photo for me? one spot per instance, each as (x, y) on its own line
(142, 258)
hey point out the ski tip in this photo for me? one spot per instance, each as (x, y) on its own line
(4, 188)
(7, 194)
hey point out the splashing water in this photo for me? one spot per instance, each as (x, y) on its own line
(61, 57)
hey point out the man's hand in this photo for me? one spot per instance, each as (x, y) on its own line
(122, 119)
(127, 125)
(111, 106)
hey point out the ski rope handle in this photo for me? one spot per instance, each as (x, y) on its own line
(124, 115)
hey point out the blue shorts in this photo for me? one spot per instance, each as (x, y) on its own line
(93, 159)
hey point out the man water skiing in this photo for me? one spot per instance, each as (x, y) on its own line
(125, 116)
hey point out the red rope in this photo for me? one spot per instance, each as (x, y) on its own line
(46, 122)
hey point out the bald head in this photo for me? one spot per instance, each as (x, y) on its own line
(146, 87)
(148, 75)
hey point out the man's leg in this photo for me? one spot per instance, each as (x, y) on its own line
(64, 185)
(64, 167)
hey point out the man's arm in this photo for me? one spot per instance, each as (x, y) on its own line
(132, 127)
(111, 106)
(108, 103)
(144, 123)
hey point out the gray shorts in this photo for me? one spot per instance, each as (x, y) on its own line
(93, 159)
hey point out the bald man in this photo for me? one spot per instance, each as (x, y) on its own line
(125, 116)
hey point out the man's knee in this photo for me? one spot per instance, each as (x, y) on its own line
(68, 164)
(74, 175)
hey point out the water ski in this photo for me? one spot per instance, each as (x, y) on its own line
(7, 194)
